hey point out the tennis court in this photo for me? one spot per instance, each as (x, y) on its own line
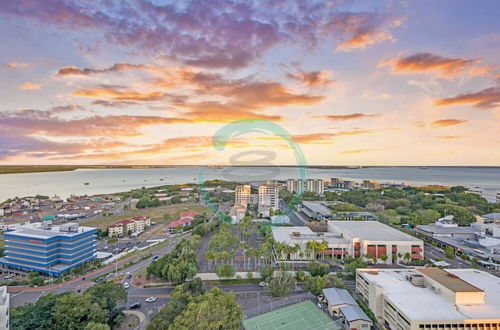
(301, 316)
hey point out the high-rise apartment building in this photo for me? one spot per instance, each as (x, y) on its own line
(295, 186)
(316, 186)
(269, 196)
(242, 195)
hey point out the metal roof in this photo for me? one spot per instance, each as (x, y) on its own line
(336, 296)
(353, 313)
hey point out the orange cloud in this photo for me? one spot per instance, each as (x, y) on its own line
(425, 62)
(488, 98)
(30, 86)
(76, 71)
(447, 122)
(312, 78)
(16, 65)
(448, 137)
(118, 93)
(359, 151)
(353, 116)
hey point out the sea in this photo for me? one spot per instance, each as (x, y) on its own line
(102, 181)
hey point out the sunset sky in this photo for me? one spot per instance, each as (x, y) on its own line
(150, 82)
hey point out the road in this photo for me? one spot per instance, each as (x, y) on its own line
(434, 253)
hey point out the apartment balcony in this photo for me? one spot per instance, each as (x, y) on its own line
(357, 246)
(416, 249)
(416, 256)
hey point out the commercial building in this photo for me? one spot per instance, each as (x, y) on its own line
(295, 186)
(53, 251)
(4, 308)
(132, 225)
(377, 240)
(431, 298)
(355, 216)
(269, 196)
(242, 195)
(316, 186)
(370, 184)
(315, 210)
(341, 304)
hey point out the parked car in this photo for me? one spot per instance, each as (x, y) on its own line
(126, 285)
(262, 284)
(128, 276)
(155, 257)
(135, 306)
(150, 299)
(110, 275)
(8, 277)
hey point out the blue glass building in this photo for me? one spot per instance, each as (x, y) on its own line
(51, 251)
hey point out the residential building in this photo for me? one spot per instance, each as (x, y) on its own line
(295, 186)
(341, 304)
(348, 184)
(242, 195)
(370, 184)
(431, 298)
(269, 196)
(185, 219)
(336, 183)
(4, 308)
(316, 186)
(237, 213)
(376, 240)
(315, 210)
(53, 251)
(137, 224)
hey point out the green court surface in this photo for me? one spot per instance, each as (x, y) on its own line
(301, 316)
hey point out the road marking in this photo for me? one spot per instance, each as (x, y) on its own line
(15, 294)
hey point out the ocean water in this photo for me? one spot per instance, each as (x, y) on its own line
(115, 180)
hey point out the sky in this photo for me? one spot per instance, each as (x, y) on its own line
(155, 82)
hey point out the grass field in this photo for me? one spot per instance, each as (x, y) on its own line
(155, 213)
(301, 316)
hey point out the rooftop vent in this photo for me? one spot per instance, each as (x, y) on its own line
(417, 280)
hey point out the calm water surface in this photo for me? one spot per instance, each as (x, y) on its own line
(115, 180)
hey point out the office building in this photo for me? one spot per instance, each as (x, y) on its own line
(242, 195)
(269, 196)
(4, 308)
(51, 251)
(376, 240)
(316, 186)
(431, 298)
(295, 186)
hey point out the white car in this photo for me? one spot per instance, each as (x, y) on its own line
(126, 285)
(262, 284)
(150, 299)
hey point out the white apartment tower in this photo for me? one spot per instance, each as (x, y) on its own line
(295, 186)
(242, 195)
(269, 196)
(316, 186)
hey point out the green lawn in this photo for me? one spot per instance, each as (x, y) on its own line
(301, 316)
(155, 213)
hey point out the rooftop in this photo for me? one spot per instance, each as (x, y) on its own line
(448, 280)
(422, 303)
(436, 229)
(285, 234)
(336, 296)
(27, 231)
(353, 313)
(492, 216)
(370, 231)
(317, 207)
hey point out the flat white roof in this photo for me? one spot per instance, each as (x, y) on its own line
(423, 304)
(370, 231)
(285, 234)
(28, 231)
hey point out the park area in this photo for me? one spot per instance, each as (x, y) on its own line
(301, 316)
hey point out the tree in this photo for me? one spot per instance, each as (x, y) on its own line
(36, 316)
(449, 252)
(212, 310)
(318, 269)
(316, 284)
(383, 257)
(177, 304)
(266, 272)
(96, 326)
(225, 271)
(280, 285)
(74, 311)
(35, 279)
(110, 296)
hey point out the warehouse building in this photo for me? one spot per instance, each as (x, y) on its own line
(51, 251)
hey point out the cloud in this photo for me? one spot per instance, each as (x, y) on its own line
(16, 65)
(114, 104)
(118, 67)
(359, 151)
(30, 86)
(118, 93)
(448, 122)
(359, 30)
(312, 78)
(442, 66)
(449, 137)
(488, 98)
(353, 116)
(201, 33)
(36, 122)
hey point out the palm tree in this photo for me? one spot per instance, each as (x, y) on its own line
(407, 256)
(322, 248)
